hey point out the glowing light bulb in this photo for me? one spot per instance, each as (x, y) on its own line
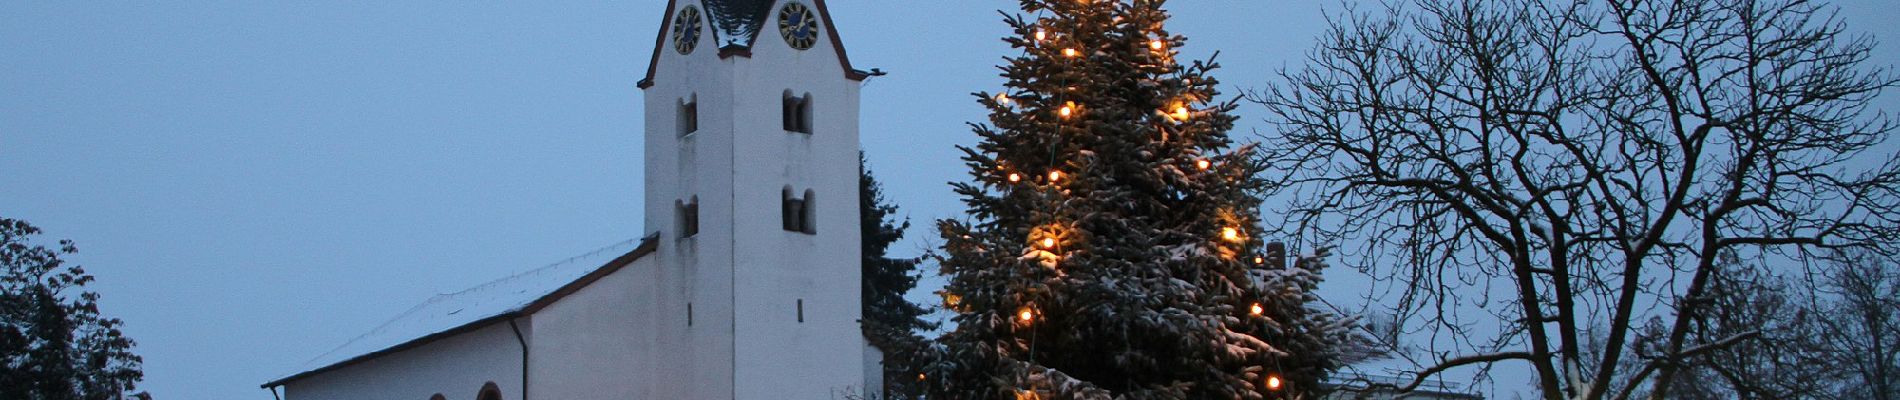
(1259, 260)
(1048, 243)
(1068, 110)
(920, 377)
(1002, 98)
(1257, 310)
(1041, 35)
(1204, 164)
(1026, 315)
(1070, 52)
(1188, 81)
(1274, 383)
(1181, 113)
(1230, 234)
(1156, 45)
(1055, 176)
(951, 300)
(1015, 177)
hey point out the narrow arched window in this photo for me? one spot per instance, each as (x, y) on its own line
(807, 219)
(688, 217)
(792, 211)
(489, 392)
(797, 112)
(688, 115)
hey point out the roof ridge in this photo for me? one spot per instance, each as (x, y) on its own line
(543, 268)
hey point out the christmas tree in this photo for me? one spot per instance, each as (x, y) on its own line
(1111, 248)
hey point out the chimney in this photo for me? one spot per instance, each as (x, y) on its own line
(1276, 255)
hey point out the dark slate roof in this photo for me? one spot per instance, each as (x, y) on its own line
(737, 22)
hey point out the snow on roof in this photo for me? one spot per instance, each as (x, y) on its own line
(444, 313)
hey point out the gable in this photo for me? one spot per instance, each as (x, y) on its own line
(737, 25)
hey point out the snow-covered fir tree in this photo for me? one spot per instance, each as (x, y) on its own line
(1111, 250)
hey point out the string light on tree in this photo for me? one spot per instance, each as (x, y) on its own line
(1015, 177)
(1156, 45)
(1256, 310)
(1068, 110)
(1055, 176)
(1041, 35)
(1274, 383)
(1230, 234)
(1070, 52)
(1203, 164)
(1026, 315)
(1003, 99)
(950, 300)
(1048, 243)
(1181, 112)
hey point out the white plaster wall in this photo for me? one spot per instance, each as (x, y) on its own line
(597, 342)
(782, 357)
(742, 274)
(873, 370)
(457, 367)
(696, 360)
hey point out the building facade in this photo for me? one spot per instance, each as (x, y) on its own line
(746, 285)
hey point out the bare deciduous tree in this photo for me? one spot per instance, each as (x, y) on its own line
(1589, 159)
(1862, 332)
(1785, 356)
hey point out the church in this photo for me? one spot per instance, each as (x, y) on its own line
(746, 283)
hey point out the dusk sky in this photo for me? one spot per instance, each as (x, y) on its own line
(257, 182)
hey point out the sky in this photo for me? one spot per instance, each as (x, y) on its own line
(257, 182)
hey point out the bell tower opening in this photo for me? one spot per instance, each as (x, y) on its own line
(797, 112)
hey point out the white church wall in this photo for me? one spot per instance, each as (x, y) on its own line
(597, 342)
(823, 355)
(873, 370)
(456, 366)
(695, 272)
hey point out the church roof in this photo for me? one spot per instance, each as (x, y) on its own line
(736, 23)
(501, 300)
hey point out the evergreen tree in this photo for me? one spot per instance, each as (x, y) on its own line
(54, 344)
(890, 322)
(1111, 251)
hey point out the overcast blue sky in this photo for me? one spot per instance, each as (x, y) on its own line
(256, 182)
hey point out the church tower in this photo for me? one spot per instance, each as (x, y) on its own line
(751, 183)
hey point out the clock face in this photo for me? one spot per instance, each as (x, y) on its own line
(686, 28)
(797, 24)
